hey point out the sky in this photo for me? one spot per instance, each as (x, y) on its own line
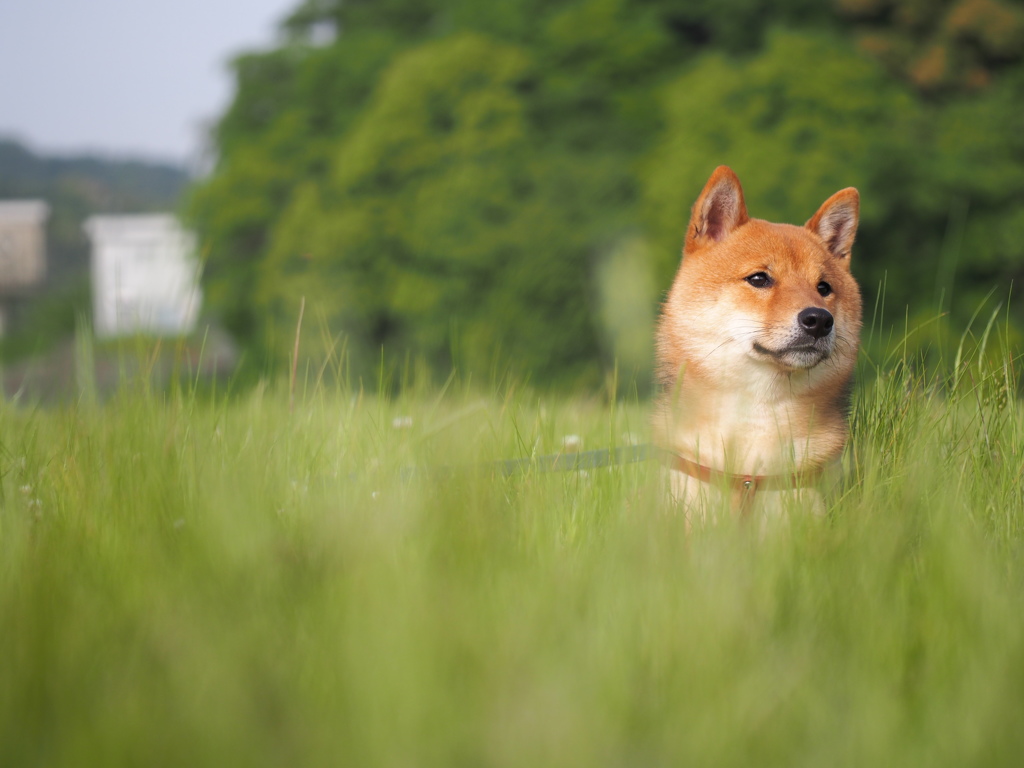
(124, 78)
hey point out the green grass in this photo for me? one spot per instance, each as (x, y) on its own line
(190, 581)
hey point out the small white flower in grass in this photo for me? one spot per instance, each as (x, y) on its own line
(26, 489)
(572, 443)
(375, 495)
(402, 422)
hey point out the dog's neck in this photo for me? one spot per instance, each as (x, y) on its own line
(766, 426)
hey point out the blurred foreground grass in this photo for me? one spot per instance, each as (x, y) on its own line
(190, 581)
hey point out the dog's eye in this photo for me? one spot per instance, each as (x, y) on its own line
(824, 288)
(759, 280)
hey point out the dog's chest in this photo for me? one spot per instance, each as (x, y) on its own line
(740, 434)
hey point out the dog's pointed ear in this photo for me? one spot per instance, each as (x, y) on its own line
(718, 211)
(836, 222)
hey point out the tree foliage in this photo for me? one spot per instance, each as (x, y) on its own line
(458, 181)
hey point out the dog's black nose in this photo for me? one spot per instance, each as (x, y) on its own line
(816, 321)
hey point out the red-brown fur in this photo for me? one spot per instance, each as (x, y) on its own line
(746, 387)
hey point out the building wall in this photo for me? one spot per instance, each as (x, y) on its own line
(22, 245)
(144, 276)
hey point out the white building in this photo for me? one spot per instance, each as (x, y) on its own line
(145, 277)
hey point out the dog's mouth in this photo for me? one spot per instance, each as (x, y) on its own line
(796, 355)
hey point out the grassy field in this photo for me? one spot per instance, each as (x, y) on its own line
(212, 581)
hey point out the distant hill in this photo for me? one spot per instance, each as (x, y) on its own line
(77, 187)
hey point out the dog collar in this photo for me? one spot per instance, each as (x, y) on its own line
(747, 485)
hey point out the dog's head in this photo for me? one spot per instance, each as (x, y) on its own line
(748, 289)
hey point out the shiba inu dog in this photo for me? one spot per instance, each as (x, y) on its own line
(755, 349)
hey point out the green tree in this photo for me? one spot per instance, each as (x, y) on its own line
(291, 107)
(443, 228)
(942, 47)
(469, 183)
